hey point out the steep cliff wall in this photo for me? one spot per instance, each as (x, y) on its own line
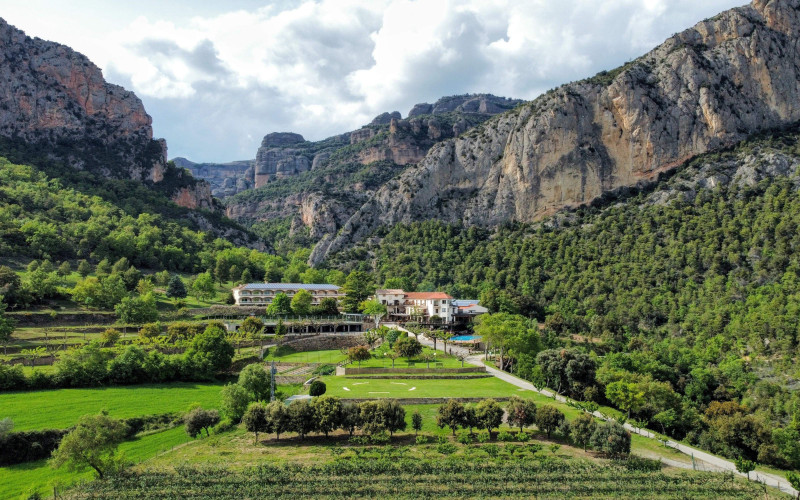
(56, 100)
(703, 89)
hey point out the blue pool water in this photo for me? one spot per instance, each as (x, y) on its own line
(466, 337)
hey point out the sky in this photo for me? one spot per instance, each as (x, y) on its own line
(218, 76)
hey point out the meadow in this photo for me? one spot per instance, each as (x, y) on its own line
(360, 388)
(61, 408)
(38, 477)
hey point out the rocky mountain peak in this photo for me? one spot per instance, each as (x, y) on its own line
(281, 139)
(704, 89)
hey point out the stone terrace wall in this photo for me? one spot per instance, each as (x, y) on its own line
(326, 342)
(375, 371)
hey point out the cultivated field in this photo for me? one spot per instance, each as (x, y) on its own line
(61, 408)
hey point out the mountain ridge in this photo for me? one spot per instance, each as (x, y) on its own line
(703, 89)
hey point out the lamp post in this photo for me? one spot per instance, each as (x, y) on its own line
(384, 359)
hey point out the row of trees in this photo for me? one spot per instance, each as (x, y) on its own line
(208, 354)
(324, 415)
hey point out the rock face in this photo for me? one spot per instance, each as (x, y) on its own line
(318, 186)
(701, 90)
(55, 99)
(226, 179)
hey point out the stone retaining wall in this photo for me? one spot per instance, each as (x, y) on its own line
(290, 379)
(325, 342)
(409, 371)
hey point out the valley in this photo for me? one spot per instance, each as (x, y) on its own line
(592, 294)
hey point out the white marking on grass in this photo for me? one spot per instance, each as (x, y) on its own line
(387, 392)
(345, 388)
(412, 389)
(398, 383)
(361, 383)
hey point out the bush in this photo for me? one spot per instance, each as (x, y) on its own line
(505, 436)
(442, 439)
(381, 437)
(534, 448)
(423, 439)
(446, 448)
(638, 464)
(317, 388)
(483, 437)
(492, 449)
(466, 438)
(324, 370)
(359, 440)
(611, 438)
(27, 446)
(523, 437)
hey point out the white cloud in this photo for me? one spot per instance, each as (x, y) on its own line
(216, 81)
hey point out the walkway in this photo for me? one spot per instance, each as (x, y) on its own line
(715, 463)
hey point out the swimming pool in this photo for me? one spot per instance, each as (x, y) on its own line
(466, 338)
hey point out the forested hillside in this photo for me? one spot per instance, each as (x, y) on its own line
(693, 285)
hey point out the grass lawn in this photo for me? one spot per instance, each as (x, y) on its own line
(378, 360)
(61, 408)
(424, 388)
(40, 477)
(332, 356)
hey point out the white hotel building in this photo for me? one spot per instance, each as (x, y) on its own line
(261, 294)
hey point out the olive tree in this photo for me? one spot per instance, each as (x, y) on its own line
(92, 443)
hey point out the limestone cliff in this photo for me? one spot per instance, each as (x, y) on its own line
(54, 99)
(314, 187)
(701, 90)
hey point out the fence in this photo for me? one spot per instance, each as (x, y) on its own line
(409, 371)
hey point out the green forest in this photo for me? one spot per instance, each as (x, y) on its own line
(688, 309)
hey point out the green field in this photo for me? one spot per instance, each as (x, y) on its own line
(379, 360)
(61, 408)
(40, 477)
(424, 388)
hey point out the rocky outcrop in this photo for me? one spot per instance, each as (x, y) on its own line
(54, 99)
(701, 90)
(276, 158)
(469, 103)
(226, 179)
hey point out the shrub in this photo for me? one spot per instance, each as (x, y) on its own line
(492, 449)
(199, 419)
(465, 438)
(19, 447)
(317, 388)
(611, 438)
(381, 437)
(483, 437)
(639, 464)
(423, 439)
(534, 448)
(442, 439)
(324, 370)
(523, 437)
(446, 448)
(359, 439)
(505, 436)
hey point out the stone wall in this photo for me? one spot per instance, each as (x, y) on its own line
(326, 342)
(375, 371)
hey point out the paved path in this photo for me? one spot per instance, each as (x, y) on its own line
(713, 462)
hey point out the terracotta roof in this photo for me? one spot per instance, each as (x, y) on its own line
(427, 295)
(288, 286)
(390, 291)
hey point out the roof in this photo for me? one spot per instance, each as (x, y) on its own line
(288, 286)
(468, 302)
(390, 291)
(427, 295)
